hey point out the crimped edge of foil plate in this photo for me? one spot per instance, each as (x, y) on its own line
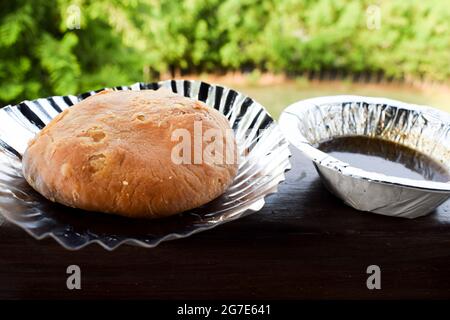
(293, 134)
(175, 86)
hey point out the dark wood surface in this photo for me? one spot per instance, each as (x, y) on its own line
(304, 244)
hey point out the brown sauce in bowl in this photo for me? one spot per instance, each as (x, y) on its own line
(386, 157)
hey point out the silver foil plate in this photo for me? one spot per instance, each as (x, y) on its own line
(264, 157)
(309, 122)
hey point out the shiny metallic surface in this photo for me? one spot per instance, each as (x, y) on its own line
(309, 122)
(264, 157)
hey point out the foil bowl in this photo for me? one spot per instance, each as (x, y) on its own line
(307, 123)
(264, 157)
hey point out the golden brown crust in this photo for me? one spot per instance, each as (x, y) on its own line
(112, 153)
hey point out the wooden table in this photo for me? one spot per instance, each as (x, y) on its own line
(304, 244)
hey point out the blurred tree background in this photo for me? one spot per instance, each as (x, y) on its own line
(55, 47)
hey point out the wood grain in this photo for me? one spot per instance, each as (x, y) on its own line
(304, 244)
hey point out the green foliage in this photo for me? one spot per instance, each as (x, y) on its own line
(121, 42)
(57, 59)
